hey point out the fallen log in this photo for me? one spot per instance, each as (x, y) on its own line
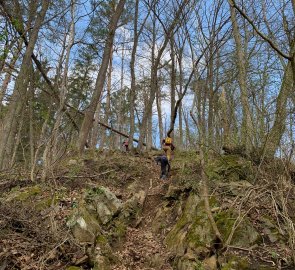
(121, 133)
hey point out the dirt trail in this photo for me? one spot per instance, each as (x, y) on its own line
(143, 249)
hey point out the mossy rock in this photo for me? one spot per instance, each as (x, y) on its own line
(85, 227)
(177, 238)
(244, 235)
(23, 194)
(73, 268)
(129, 214)
(193, 229)
(185, 264)
(101, 263)
(102, 203)
(229, 168)
(234, 262)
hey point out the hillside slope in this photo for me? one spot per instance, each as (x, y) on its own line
(111, 211)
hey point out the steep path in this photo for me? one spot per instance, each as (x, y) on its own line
(143, 249)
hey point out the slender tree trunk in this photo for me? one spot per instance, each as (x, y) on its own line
(155, 65)
(225, 138)
(88, 118)
(17, 141)
(173, 79)
(31, 118)
(149, 141)
(278, 129)
(133, 82)
(52, 147)
(159, 109)
(108, 104)
(188, 138)
(11, 66)
(121, 97)
(210, 96)
(247, 129)
(19, 94)
(64, 83)
(95, 129)
(180, 144)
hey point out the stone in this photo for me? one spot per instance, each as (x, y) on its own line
(210, 263)
(173, 192)
(132, 207)
(84, 226)
(192, 233)
(23, 194)
(101, 263)
(103, 203)
(72, 162)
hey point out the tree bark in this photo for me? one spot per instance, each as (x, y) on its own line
(132, 72)
(277, 131)
(159, 109)
(19, 94)
(247, 128)
(10, 68)
(89, 114)
(108, 104)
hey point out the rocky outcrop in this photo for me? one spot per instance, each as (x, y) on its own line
(191, 236)
(100, 218)
(102, 203)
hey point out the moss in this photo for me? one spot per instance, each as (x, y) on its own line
(73, 268)
(236, 263)
(229, 168)
(225, 221)
(101, 240)
(188, 264)
(244, 235)
(45, 203)
(118, 230)
(24, 194)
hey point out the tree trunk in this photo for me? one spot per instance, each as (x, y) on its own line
(108, 104)
(154, 69)
(11, 66)
(121, 97)
(247, 128)
(89, 114)
(173, 79)
(180, 57)
(52, 148)
(132, 72)
(210, 96)
(31, 118)
(225, 138)
(20, 89)
(278, 129)
(159, 109)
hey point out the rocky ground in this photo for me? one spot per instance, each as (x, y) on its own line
(111, 211)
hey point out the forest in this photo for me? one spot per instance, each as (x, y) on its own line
(66, 66)
(80, 77)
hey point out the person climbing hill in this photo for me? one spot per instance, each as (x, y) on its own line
(126, 145)
(168, 147)
(165, 166)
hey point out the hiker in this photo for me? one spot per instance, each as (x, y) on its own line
(126, 144)
(168, 147)
(165, 166)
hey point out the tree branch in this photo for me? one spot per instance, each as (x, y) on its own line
(232, 3)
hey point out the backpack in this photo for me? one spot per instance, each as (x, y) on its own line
(168, 140)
